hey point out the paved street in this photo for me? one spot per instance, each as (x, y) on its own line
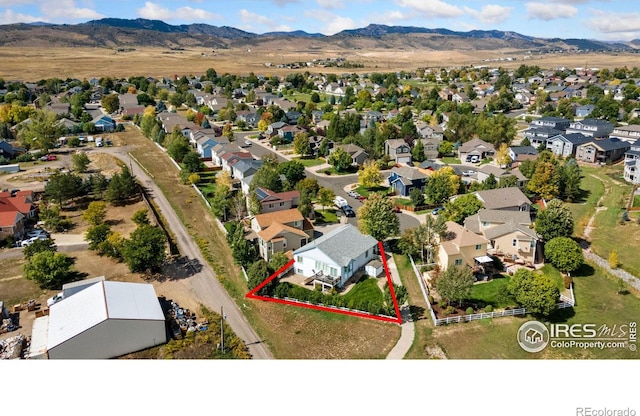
(336, 183)
(204, 285)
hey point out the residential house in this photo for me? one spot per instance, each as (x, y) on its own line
(403, 179)
(249, 117)
(220, 150)
(431, 147)
(429, 166)
(585, 110)
(566, 144)
(510, 199)
(21, 201)
(277, 201)
(104, 123)
(205, 144)
(460, 247)
(357, 153)
(11, 225)
(595, 128)
(476, 147)
(281, 231)
(398, 150)
(8, 151)
(521, 153)
(602, 151)
(170, 121)
(274, 128)
(229, 159)
(509, 233)
(632, 164)
(538, 135)
(245, 167)
(288, 133)
(629, 133)
(430, 132)
(483, 172)
(557, 123)
(336, 256)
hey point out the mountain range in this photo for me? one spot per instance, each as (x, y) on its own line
(127, 33)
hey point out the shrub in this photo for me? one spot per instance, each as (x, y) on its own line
(613, 259)
(327, 172)
(431, 300)
(488, 308)
(25, 157)
(469, 310)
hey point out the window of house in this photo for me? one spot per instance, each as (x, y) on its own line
(270, 205)
(514, 242)
(478, 246)
(299, 271)
(458, 262)
(281, 204)
(334, 272)
(303, 241)
(366, 254)
(532, 244)
(485, 223)
(284, 243)
(297, 223)
(299, 259)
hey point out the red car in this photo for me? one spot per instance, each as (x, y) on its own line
(52, 157)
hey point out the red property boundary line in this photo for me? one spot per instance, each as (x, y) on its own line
(398, 319)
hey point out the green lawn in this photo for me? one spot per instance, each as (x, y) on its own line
(326, 216)
(365, 291)
(365, 192)
(592, 190)
(636, 201)
(489, 293)
(310, 162)
(403, 201)
(451, 160)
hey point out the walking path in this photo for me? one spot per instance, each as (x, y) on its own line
(408, 327)
(630, 279)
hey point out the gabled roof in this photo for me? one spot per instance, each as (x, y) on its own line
(283, 217)
(509, 228)
(608, 144)
(10, 218)
(342, 244)
(104, 300)
(524, 150)
(266, 195)
(459, 237)
(408, 173)
(574, 138)
(496, 216)
(475, 144)
(502, 198)
(396, 143)
(278, 228)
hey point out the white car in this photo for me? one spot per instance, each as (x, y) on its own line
(37, 233)
(469, 172)
(30, 240)
(55, 299)
(340, 202)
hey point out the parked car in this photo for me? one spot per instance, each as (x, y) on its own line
(36, 233)
(469, 172)
(29, 241)
(473, 158)
(55, 299)
(353, 194)
(247, 143)
(51, 158)
(437, 210)
(348, 211)
(396, 209)
(410, 163)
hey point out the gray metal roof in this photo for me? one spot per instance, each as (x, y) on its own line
(342, 244)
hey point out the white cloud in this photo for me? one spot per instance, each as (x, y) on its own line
(155, 11)
(250, 19)
(550, 11)
(332, 23)
(491, 13)
(621, 25)
(283, 2)
(331, 4)
(431, 8)
(62, 10)
(9, 16)
(10, 3)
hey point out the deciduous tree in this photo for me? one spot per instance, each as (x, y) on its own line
(95, 213)
(340, 160)
(455, 283)
(369, 176)
(145, 250)
(376, 217)
(554, 221)
(80, 162)
(564, 253)
(536, 292)
(301, 144)
(50, 270)
(461, 208)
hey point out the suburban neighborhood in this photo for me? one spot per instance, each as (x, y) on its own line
(467, 193)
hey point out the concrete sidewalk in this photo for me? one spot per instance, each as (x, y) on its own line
(408, 327)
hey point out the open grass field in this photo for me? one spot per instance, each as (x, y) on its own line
(289, 331)
(26, 63)
(592, 191)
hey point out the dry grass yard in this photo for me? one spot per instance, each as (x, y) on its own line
(39, 63)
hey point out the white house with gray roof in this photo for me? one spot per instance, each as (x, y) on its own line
(336, 256)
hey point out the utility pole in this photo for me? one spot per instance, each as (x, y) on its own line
(222, 328)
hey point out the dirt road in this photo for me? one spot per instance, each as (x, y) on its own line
(203, 285)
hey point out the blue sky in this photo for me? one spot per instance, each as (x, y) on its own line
(591, 19)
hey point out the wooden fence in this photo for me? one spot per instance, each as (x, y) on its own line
(565, 302)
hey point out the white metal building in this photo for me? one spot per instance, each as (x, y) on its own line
(104, 320)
